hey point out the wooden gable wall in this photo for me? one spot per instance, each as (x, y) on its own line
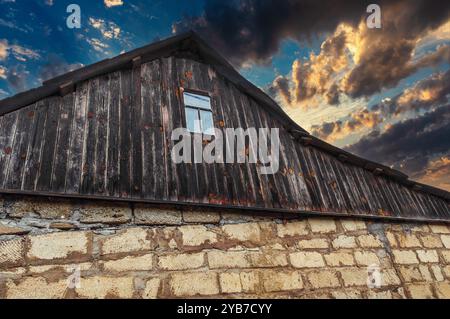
(111, 138)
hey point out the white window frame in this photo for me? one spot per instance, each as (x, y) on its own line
(198, 108)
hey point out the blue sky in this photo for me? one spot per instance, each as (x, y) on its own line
(41, 26)
(342, 81)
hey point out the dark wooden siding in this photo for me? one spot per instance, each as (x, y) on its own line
(112, 138)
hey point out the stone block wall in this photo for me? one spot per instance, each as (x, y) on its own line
(53, 248)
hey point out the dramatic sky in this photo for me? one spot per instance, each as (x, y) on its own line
(380, 93)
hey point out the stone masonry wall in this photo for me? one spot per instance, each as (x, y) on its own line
(137, 251)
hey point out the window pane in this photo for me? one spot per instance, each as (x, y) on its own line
(207, 122)
(197, 100)
(192, 120)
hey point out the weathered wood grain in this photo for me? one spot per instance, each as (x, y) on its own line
(49, 145)
(7, 139)
(125, 133)
(77, 139)
(19, 151)
(112, 179)
(58, 183)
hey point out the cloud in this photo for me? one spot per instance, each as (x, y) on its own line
(3, 93)
(18, 52)
(317, 76)
(348, 64)
(383, 59)
(436, 173)
(3, 49)
(22, 54)
(426, 94)
(331, 131)
(11, 25)
(253, 29)
(97, 44)
(109, 30)
(16, 78)
(113, 3)
(408, 145)
(435, 37)
(56, 66)
(281, 86)
(353, 60)
(3, 71)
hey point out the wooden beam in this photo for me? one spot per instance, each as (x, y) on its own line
(66, 88)
(136, 62)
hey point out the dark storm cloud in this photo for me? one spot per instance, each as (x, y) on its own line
(326, 129)
(387, 62)
(332, 95)
(340, 128)
(280, 86)
(409, 145)
(253, 29)
(424, 95)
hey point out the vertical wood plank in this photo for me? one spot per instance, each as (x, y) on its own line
(49, 145)
(101, 136)
(126, 133)
(77, 139)
(32, 164)
(90, 138)
(7, 135)
(136, 132)
(171, 107)
(19, 152)
(178, 188)
(63, 140)
(113, 144)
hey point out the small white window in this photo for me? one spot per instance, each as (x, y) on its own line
(199, 117)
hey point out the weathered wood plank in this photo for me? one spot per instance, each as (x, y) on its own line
(136, 132)
(276, 187)
(88, 168)
(192, 177)
(165, 100)
(19, 152)
(49, 145)
(214, 178)
(77, 139)
(264, 182)
(169, 84)
(246, 177)
(36, 140)
(113, 144)
(151, 175)
(313, 190)
(227, 183)
(8, 135)
(101, 133)
(63, 140)
(126, 132)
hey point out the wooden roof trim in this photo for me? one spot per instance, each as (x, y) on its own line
(289, 213)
